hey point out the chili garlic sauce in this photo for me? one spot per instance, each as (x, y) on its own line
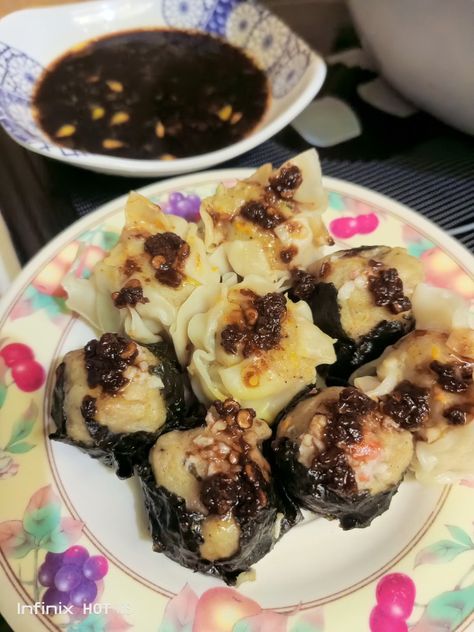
(426, 382)
(373, 283)
(111, 380)
(151, 94)
(219, 471)
(349, 445)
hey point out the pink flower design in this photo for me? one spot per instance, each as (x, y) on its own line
(229, 182)
(442, 271)
(179, 613)
(8, 467)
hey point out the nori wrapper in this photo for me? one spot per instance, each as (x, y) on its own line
(302, 486)
(352, 511)
(176, 531)
(351, 354)
(124, 450)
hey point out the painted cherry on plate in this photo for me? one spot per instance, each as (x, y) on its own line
(72, 576)
(27, 373)
(16, 352)
(95, 568)
(76, 555)
(347, 227)
(29, 376)
(380, 621)
(395, 594)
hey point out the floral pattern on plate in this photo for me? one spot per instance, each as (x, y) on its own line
(66, 581)
(225, 609)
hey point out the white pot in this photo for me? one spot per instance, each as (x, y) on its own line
(425, 49)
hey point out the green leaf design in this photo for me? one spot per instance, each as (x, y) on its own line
(440, 552)
(55, 542)
(3, 394)
(68, 532)
(309, 622)
(416, 249)
(92, 623)
(23, 548)
(109, 239)
(303, 626)
(168, 626)
(242, 626)
(460, 535)
(42, 521)
(22, 427)
(451, 608)
(336, 202)
(19, 448)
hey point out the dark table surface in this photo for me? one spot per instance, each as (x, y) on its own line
(417, 160)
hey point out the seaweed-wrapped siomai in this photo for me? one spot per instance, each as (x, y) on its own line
(209, 493)
(113, 397)
(425, 383)
(339, 456)
(361, 297)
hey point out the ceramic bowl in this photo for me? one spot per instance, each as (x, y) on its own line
(425, 50)
(31, 39)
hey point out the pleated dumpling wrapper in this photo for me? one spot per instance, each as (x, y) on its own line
(251, 343)
(425, 382)
(270, 222)
(139, 286)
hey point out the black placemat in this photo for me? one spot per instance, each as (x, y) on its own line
(435, 178)
(416, 160)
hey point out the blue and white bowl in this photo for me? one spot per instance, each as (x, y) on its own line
(31, 39)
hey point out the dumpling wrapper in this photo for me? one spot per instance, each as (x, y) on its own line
(443, 452)
(266, 380)
(439, 309)
(144, 322)
(243, 246)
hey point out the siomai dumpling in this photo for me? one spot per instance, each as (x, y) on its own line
(253, 344)
(270, 222)
(362, 297)
(212, 503)
(340, 456)
(113, 397)
(139, 286)
(425, 383)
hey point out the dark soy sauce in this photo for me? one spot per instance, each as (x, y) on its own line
(151, 94)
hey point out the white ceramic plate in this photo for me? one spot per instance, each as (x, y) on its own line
(31, 39)
(317, 578)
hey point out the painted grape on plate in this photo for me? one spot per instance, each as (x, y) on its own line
(183, 205)
(71, 576)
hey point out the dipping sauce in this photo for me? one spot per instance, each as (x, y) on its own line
(151, 94)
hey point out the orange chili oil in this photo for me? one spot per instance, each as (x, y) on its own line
(151, 94)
